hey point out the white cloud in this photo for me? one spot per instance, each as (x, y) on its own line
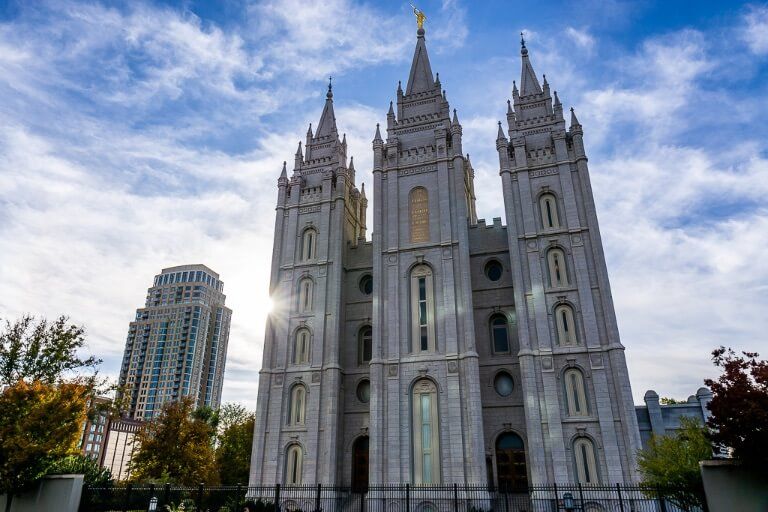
(756, 29)
(581, 38)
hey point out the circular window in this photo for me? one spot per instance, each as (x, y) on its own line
(366, 284)
(493, 270)
(364, 391)
(503, 384)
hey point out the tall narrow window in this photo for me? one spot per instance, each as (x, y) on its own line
(586, 465)
(425, 433)
(548, 207)
(558, 275)
(566, 327)
(294, 459)
(297, 405)
(575, 394)
(305, 295)
(419, 206)
(364, 344)
(500, 334)
(422, 309)
(301, 347)
(308, 245)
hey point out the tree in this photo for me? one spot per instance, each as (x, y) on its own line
(40, 423)
(233, 454)
(176, 447)
(739, 405)
(665, 400)
(673, 462)
(93, 474)
(41, 351)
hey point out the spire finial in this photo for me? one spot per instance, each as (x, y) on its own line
(329, 95)
(574, 122)
(377, 137)
(522, 40)
(420, 18)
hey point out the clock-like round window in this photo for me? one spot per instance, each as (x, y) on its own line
(493, 270)
(503, 384)
(364, 391)
(366, 284)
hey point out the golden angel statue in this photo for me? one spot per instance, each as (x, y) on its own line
(420, 16)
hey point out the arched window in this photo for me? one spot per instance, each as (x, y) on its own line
(294, 460)
(297, 405)
(364, 345)
(558, 274)
(309, 245)
(301, 347)
(586, 464)
(422, 309)
(575, 394)
(305, 295)
(500, 334)
(566, 326)
(510, 462)
(548, 210)
(425, 433)
(419, 210)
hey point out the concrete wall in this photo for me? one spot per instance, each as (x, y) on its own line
(56, 493)
(729, 487)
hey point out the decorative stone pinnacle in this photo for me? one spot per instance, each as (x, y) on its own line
(329, 95)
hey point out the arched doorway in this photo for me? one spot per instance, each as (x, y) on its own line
(511, 471)
(360, 465)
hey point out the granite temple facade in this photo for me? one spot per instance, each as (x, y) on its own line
(445, 349)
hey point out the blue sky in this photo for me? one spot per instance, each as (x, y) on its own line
(140, 136)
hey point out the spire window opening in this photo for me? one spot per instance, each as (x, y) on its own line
(422, 310)
(309, 245)
(548, 211)
(575, 393)
(566, 326)
(558, 273)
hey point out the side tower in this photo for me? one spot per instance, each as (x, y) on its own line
(580, 420)
(425, 414)
(297, 430)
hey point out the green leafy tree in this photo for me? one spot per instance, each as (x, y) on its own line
(233, 453)
(176, 447)
(93, 474)
(672, 462)
(40, 424)
(665, 400)
(43, 351)
(739, 406)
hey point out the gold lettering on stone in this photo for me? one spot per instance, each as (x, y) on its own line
(419, 215)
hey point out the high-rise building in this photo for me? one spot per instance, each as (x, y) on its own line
(177, 345)
(446, 349)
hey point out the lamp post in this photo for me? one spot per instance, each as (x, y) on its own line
(568, 504)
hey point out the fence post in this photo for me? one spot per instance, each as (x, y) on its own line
(557, 499)
(455, 497)
(277, 497)
(581, 497)
(127, 504)
(199, 503)
(363, 494)
(621, 502)
(151, 493)
(317, 498)
(662, 501)
(239, 498)
(166, 494)
(407, 497)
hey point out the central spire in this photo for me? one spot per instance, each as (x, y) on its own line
(327, 124)
(529, 84)
(421, 78)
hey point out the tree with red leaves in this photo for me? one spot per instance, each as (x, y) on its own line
(739, 405)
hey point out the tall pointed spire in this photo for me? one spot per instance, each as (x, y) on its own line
(500, 135)
(377, 137)
(284, 172)
(529, 84)
(420, 78)
(327, 124)
(574, 122)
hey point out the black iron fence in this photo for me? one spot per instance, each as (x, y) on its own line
(398, 498)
